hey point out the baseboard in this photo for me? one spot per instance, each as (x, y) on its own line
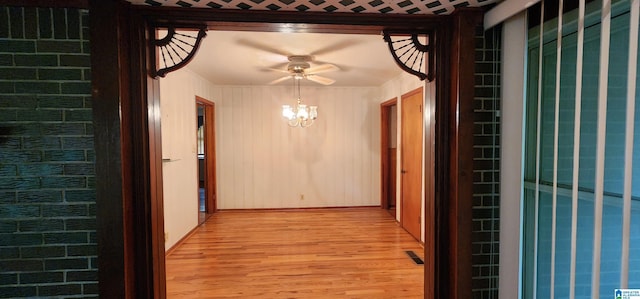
(182, 240)
(295, 209)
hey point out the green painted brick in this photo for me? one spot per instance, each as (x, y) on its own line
(77, 143)
(9, 143)
(40, 115)
(64, 211)
(42, 142)
(80, 224)
(63, 129)
(82, 250)
(75, 88)
(35, 60)
(8, 170)
(9, 115)
(59, 290)
(18, 291)
(7, 87)
(4, 22)
(30, 23)
(41, 277)
(80, 60)
(79, 169)
(16, 19)
(90, 288)
(23, 156)
(66, 264)
(18, 101)
(64, 156)
(37, 87)
(59, 23)
(39, 196)
(56, 74)
(19, 183)
(73, 24)
(60, 101)
(80, 195)
(40, 169)
(14, 73)
(18, 211)
(21, 265)
(8, 226)
(86, 74)
(17, 46)
(20, 239)
(92, 210)
(8, 278)
(66, 238)
(7, 253)
(87, 275)
(78, 115)
(40, 252)
(6, 60)
(7, 197)
(91, 182)
(41, 225)
(62, 182)
(44, 22)
(58, 46)
(91, 155)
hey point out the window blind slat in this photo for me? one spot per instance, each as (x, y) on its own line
(600, 145)
(628, 155)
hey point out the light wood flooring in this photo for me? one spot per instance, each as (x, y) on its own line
(316, 253)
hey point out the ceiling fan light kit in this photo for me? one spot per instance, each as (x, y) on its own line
(299, 115)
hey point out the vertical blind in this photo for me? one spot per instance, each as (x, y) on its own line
(582, 156)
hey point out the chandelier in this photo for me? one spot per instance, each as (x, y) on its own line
(299, 115)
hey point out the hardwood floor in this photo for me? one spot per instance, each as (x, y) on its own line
(318, 253)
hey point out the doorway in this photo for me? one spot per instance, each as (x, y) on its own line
(411, 145)
(205, 123)
(388, 154)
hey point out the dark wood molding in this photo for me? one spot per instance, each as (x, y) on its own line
(462, 80)
(114, 194)
(128, 146)
(293, 21)
(46, 3)
(385, 171)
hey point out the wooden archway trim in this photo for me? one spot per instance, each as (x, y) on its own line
(127, 128)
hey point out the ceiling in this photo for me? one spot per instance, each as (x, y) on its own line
(429, 7)
(254, 58)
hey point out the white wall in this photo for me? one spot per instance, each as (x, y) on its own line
(264, 163)
(179, 168)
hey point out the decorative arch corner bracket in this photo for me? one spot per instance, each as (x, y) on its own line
(410, 52)
(175, 49)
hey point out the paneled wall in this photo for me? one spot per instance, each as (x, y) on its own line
(179, 151)
(264, 163)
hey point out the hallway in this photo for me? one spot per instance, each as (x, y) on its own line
(315, 253)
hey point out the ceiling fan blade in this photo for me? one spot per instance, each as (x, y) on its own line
(278, 70)
(262, 47)
(320, 79)
(276, 81)
(335, 47)
(322, 69)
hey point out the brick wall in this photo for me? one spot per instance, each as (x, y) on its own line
(486, 187)
(47, 197)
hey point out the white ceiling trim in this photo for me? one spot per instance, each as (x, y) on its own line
(427, 7)
(505, 10)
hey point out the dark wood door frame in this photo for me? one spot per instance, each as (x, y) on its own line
(385, 140)
(127, 130)
(209, 153)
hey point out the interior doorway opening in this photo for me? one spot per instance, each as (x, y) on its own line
(389, 155)
(207, 191)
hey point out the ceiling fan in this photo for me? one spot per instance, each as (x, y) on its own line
(299, 68)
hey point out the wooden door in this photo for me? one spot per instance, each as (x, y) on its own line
(411, 162)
